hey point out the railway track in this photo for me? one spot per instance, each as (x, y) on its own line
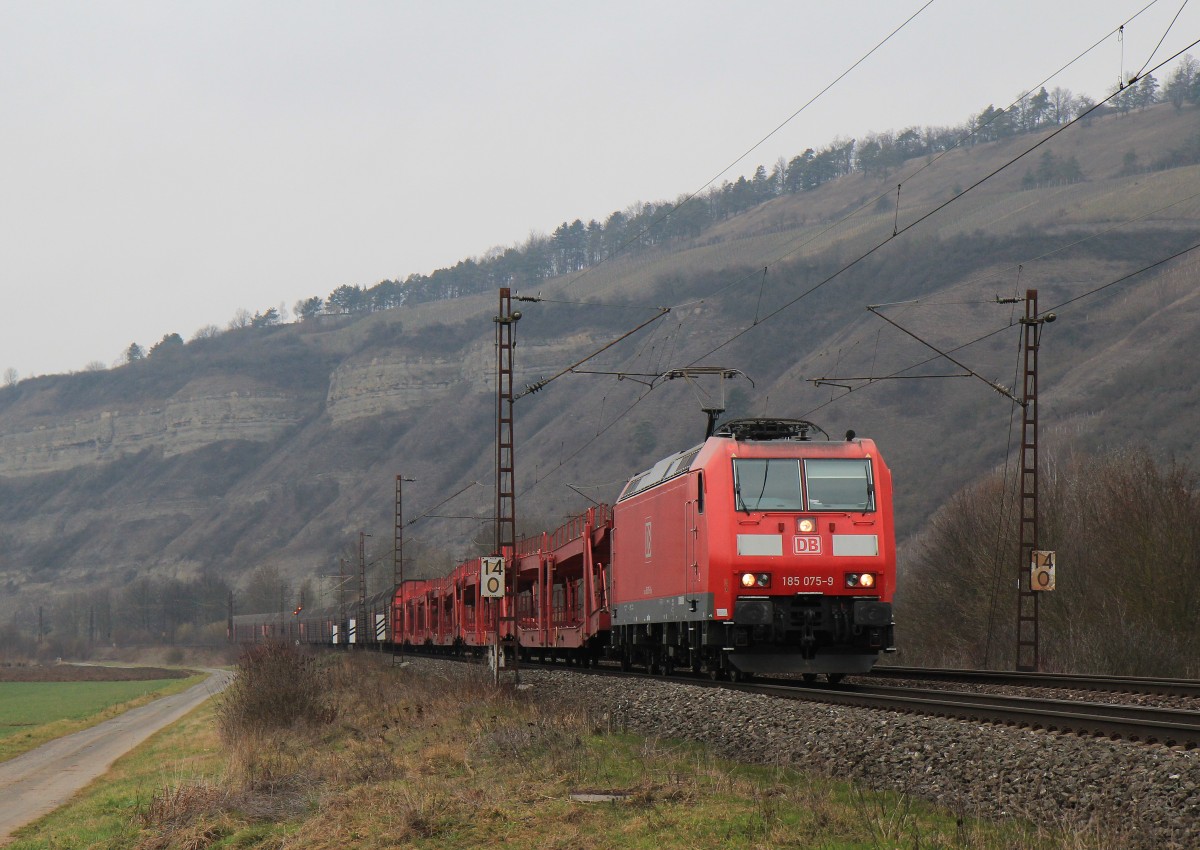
(1137, 723)
(1064, 681)
(1145, 724)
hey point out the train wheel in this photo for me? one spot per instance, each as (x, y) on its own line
(808, 678)
(834, 678)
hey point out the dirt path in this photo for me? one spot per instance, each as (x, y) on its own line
(41, 780)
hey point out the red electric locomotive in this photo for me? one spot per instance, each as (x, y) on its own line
(760, 550)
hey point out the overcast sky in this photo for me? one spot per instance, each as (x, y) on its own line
(163, 164)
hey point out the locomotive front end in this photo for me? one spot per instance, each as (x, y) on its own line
(810, 554)
(759, 551)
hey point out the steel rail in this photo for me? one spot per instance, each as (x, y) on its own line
(1172, 727)
(1120, 684)
(1136, 723)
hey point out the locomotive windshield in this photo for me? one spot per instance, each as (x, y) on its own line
(767, 484)
(839, 485)
(773, 484)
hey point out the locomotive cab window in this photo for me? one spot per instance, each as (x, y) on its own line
(767, 484)
(839, 485)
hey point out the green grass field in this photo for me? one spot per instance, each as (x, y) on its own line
(32, 713)
(26, 704)
(109, 813)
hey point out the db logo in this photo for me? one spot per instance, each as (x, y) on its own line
(806, 545)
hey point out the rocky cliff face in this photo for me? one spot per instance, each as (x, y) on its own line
(402, 380)
(176, 426)
(399, 380)
(225, 471)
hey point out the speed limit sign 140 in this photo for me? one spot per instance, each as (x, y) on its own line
(491, 578)
(1041, 574)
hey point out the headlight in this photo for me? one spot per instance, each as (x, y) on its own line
(860, 579)
(805, 525)
(756, 579)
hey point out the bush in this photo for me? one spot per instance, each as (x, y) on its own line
(1127, 532)
(277, 687)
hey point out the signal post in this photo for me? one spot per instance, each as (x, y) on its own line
(506, 504)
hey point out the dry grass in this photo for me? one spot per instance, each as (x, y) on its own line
(411, 757)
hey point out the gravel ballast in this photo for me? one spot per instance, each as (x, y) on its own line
(1147, 796)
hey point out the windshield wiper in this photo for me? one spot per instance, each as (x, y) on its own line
(737, 492)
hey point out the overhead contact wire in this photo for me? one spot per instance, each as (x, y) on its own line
(537, 385)
(591, 440)
(429, 512)
(1120, 31)
(1166, 32)
(930, 213)
(1003, 328)
(1124, 278)
(802, 242)
(688, 199)
(976, 281)
(896, 230)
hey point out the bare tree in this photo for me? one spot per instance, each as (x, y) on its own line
(241, 319)
(1127, 533)
(263, 591)
(1062, 105)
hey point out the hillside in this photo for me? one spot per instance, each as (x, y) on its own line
(277, 446)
